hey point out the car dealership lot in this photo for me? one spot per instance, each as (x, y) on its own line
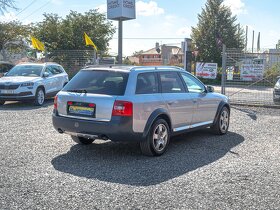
(42, 169)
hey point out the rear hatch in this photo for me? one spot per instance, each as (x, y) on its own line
(91, 94)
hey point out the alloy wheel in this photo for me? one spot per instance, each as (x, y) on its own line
(160, 137)
(41, 97)
(224, 121)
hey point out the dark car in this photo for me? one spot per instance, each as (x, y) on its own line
(5, 67)
(276, 92)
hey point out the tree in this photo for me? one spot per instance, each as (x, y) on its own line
(216, 26)
(4, 4)
(137, 53)
(12, 36)
(67, 34)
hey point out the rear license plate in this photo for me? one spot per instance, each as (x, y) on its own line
(81, 110)
(7, 91)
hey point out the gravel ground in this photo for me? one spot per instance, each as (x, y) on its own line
(41, 169)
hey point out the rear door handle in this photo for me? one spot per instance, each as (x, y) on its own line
(194, 101)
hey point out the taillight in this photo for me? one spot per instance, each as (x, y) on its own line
(55, 103)
(122, 108)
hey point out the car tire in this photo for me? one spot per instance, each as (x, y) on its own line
(157, 139)
(2, 103)
(222, 124)
(81, 140)
(39, 97)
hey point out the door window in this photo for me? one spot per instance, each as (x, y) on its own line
(171, 82)
(193, 84)
(55, 70)
(49, 70)
(146, 83)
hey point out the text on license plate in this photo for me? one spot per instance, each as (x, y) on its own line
(6, 91)
(81, 110)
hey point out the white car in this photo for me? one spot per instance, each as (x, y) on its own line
(32, 81)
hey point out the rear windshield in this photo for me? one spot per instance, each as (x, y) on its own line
(98, 82)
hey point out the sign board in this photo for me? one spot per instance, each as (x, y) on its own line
(206, 70)
(251, 72)
(121, 9)
(230, 70)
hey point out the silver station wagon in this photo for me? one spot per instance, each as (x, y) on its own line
(144, 104)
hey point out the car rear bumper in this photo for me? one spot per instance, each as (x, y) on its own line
(118, 129)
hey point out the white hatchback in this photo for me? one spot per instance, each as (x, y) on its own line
(32, 81)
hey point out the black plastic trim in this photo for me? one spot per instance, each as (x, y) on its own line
(221, 105)
(153, 117)
(117, 129)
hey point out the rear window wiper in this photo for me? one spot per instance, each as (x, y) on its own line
(78, 91)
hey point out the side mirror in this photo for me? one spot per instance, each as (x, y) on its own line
(5, 73)
(210, 89)
(46, 74)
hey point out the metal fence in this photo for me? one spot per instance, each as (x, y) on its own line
(250, 77)
(72, 60)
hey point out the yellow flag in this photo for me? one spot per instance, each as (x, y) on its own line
(37, 44)
(89, 42)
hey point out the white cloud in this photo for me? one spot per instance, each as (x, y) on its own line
(148, 9)
(57, 2)
(7, 17)
(102, 8)
(237, 6)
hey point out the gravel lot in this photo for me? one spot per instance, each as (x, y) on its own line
(41, 169)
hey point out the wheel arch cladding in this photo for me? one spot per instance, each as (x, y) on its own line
(157, 114)
(220, 107)
(42, 87)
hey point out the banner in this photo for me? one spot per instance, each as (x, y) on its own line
(251, 72)
(206, 70)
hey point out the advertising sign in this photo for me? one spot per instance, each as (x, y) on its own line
(121, 9)
(251, 72)
(230, 70)
(206, 70)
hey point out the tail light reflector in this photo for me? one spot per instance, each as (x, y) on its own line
(55, 103)
(122, 108)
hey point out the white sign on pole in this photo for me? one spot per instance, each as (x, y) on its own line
(251, 72)
(121, 9)
(206, 70)
(230, 70)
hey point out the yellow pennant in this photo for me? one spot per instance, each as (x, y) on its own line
(89, 41)
(37, 44)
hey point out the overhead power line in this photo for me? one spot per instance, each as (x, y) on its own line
(25, 7)
(32, 13)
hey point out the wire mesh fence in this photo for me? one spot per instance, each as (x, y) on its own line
(72, 60)
(251, 77)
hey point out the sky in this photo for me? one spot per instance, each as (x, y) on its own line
(162, 21)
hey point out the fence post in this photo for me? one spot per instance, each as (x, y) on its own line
(224, 60)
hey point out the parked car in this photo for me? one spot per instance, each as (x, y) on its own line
(32, 81)
(276, 92)
(145, 104)
(5, 67)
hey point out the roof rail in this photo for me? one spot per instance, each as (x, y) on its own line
(106, 65)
